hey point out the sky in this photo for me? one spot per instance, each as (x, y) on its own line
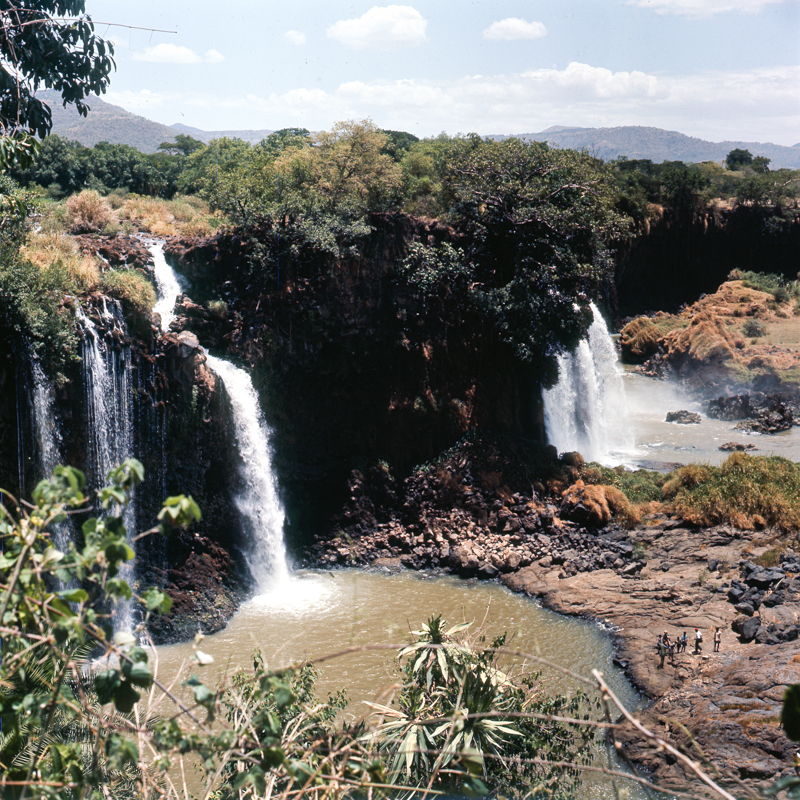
(720, 70)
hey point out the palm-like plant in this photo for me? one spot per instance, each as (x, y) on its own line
(460, 721)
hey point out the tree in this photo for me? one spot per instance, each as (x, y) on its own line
(48, 43)
(738, 158)
(760, 164)
(183, 145)
(541, 221)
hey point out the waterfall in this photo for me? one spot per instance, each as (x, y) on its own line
(48, 440)
(108, 389)
(168, 286)
(586, 410)
(257, 500)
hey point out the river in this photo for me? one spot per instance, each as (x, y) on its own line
(316, 614)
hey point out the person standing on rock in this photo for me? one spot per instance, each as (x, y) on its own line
(662, 651)
(717, 640)
(684, 642)
(698, 641)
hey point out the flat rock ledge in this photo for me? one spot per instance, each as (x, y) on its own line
(726, 705)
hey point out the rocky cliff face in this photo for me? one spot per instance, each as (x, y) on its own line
(346, 381)
(677, 258)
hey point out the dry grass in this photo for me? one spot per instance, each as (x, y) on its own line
(182, 216)
(88, 212)
(58, 252)
(749, 492)
(640, 337)
(601, 503)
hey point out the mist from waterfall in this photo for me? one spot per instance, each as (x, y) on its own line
(586, 410)
(257, 500)
(108, 389)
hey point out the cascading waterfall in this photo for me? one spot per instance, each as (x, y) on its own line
(108, 387)
(257, 501)
(48, 440)
(168, 286)
(586, 410)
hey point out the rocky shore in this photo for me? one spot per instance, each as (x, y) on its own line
(470, 516)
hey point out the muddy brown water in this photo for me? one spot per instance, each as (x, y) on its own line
(320, 613)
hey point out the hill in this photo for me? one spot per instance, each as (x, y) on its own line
(254, 137)
(634, 141)
(109, 123)
(106, 123)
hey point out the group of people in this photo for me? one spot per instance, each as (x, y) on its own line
(667, 647)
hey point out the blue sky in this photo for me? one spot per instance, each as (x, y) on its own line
(716, 69)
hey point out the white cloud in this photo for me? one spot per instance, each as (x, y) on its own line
(381, 28)
(704, 8)
(515, 28)
(295, 37)
(177, 54)
(749, 105)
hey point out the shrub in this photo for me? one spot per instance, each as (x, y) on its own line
(749, 492)
(760, 281)
(87, 212)
(132, 288)
(218, 309)
(754, 329)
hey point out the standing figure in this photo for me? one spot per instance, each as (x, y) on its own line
(684, 642)
(662, 651)
(698, 641)
(717, 639)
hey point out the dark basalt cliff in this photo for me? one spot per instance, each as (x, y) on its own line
(348, 374)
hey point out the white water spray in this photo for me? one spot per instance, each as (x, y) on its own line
(48, 440)
(586, 410)
(107, 381)
(257, 500)
(168, 286)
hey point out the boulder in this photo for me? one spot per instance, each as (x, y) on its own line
(730, 408)
(736, 447)
(683, 417)
(750, 628)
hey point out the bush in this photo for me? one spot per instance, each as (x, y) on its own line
(132, 288)
(749, 492)
(753, 329)
(87, 212)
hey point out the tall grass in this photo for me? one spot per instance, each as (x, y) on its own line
(87, 212)
(61, 262)
(749, 492)
(132, 288)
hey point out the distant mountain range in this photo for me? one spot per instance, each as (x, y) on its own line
(634, 141)
(110, 123)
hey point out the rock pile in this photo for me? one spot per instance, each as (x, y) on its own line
(683, 417)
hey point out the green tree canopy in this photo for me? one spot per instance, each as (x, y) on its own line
(183, 145)
(541, 221)
(738, 158)
(48, 43)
